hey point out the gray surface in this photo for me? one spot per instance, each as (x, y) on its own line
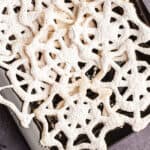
(136, 141)
(11, 139)
(32, 132)
(147, 2)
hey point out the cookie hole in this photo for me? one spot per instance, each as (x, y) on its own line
(100, 107)
(122, 90)
(44, 5)
(123, 112)
(65, 116)
(82, 40)
(5, 11)
(9, 47)
(109, 76)
(51, 120)
(77, 78)
(130, 98)
(58, 77)
(33, 2)
(54, 148)
(12, 37)
(87, 121)
(148, 89)
(67, 1)
(71, 8)
(123, 78)
(145, 112)
(141, 69)
(93, 23)
(58, 101)
(85, 103)
(81, 64)
(70, 80)
(145, 45)
(3, 31)
(82, 138)
(148, 78)
(86, 15)
(22, 32)
(39, 27)
(62, 138)
(133, 38)
(52, 55)
(95, 51)
(119, 10)
(110, 42)
(141, 96)
(42, 88)
(22, 68)
(78, 126)
(114, 50)
(120, 63)
(92, 72)
(25, 87)
(39, 55)
(102, 5)
(97, 9)
(121, 27)
(33, 91)
(89, 111)
(35, 105)
(132, 25)
(97, 129)
(62, 65)
(69, 125)
(91, 36)
(112, 19)
(68, 108)
(142, 57)
(17, 9)
(19, 78)
(129, 72)
(119, 35)
(75, 102)
(112, 101)
(100, 44)
(91, 94)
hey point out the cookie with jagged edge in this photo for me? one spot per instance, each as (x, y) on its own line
(111, 33)
(120, 50)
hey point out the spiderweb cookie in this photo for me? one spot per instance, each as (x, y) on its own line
(80, 67)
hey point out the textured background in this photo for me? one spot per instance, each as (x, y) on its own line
(11, 138)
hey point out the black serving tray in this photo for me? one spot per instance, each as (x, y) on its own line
(120, 139)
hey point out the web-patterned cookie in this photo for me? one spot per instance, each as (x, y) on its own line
(81, 68)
